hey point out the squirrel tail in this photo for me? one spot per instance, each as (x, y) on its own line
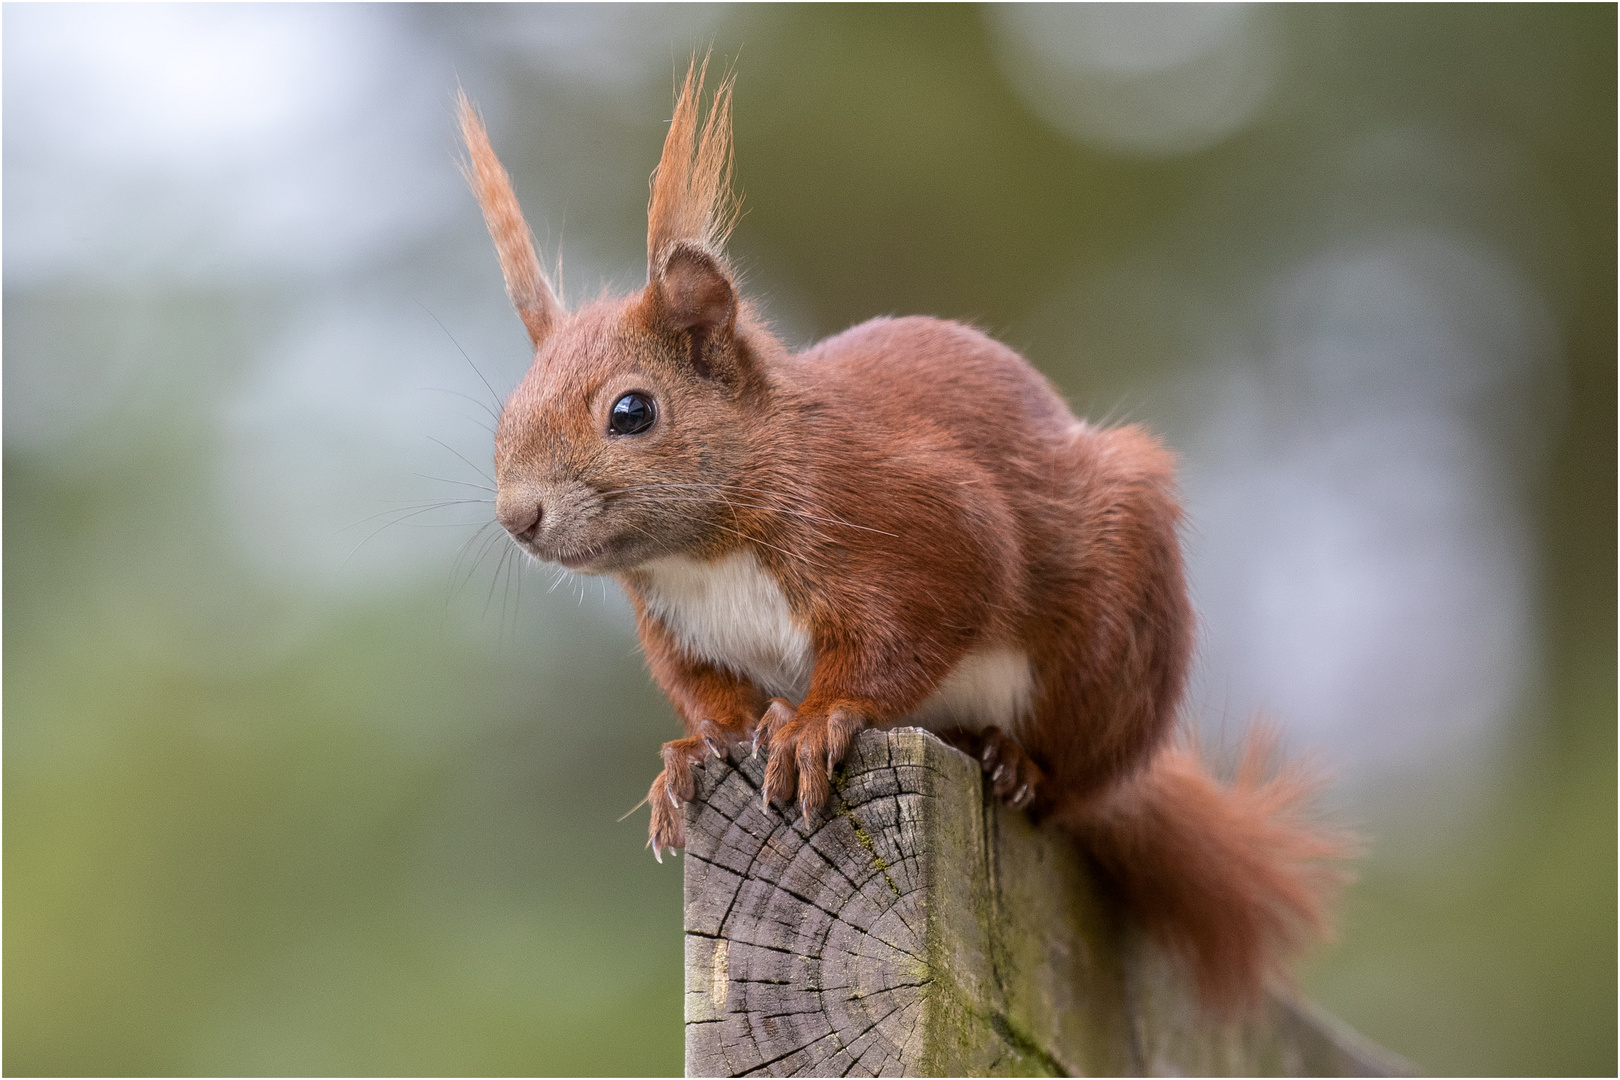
(1232, 879)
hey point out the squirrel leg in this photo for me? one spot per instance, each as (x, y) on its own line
(718, 708)
(805, 746)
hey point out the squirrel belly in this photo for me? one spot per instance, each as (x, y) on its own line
(902, 524)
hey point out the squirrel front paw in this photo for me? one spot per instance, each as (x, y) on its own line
(805, 746)
(675, 785)
(667, 830)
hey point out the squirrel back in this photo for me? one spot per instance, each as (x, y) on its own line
(901, 524)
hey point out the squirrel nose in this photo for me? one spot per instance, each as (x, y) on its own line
(520, 517)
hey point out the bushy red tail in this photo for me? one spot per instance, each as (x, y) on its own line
(1231, 879)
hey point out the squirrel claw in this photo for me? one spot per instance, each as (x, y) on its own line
(1014, 777)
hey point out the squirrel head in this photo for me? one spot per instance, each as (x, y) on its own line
(637, 411)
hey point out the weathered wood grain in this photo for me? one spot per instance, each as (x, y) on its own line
(917, 929)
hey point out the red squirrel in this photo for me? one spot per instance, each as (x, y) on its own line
(902, 524)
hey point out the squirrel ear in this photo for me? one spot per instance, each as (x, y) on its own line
(692, 290)
(526, 283)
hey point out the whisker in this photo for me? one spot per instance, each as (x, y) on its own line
(483, 553)
(461, 552)
(657, 541)
(451, 585)
(493, 415)
(745, 536)
(520, 567)
(760, 506)
(720, 489)
(448, 524)
(447, 480)
(408, 506)
(696, 484)
(500, 568)
(399, 520)
(463, 457)
(517, 601)
(506, 598)
(773, 547)
(634, 808)
(464, 356)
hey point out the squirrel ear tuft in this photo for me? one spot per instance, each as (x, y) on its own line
(692, 290)
(691, 197)
(537, 305)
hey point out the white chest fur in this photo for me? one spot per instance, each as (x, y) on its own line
(732, 613)
(988, 687)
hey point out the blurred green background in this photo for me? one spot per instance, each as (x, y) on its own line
(284, 796)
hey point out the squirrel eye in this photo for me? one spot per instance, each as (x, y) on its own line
(631, 415)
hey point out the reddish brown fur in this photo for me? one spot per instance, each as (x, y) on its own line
(916, 491)
(1231, 878)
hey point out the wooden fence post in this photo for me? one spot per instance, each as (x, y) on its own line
(916, 928)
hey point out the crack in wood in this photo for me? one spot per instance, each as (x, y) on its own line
(864, 837)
